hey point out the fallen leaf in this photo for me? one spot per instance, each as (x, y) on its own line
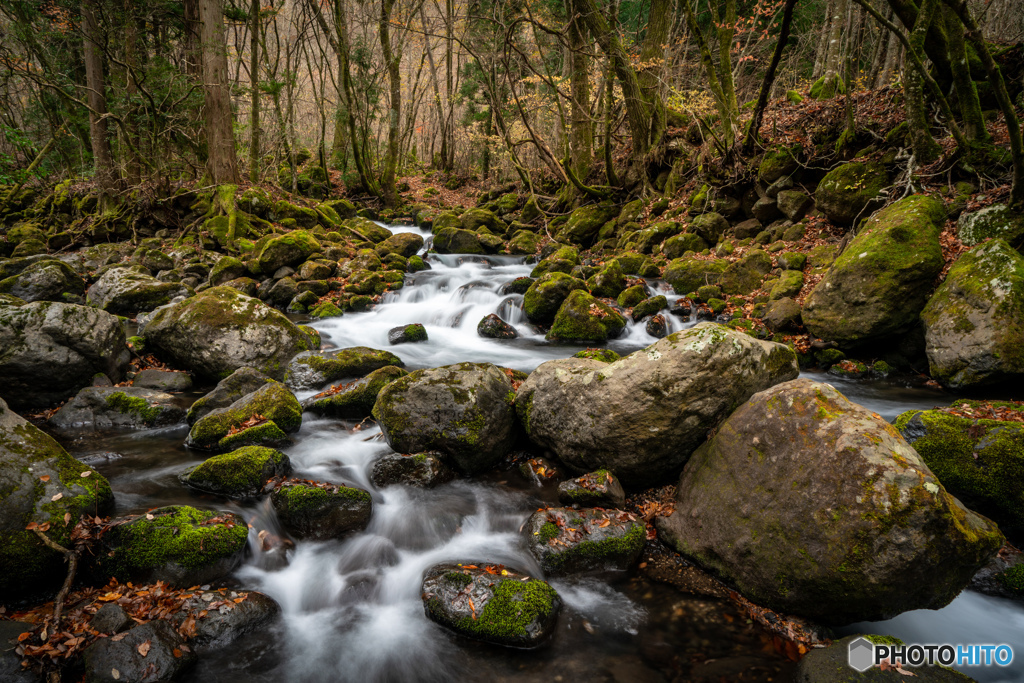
(115, 674)
(57, 497)
(87, 473)
(44, 478)
(144, 648)
(67, 517)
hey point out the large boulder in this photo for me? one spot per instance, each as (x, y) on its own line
(474, 219)
(404, 243)
(851, 191)
(582, 318)
(977, 457)
(240, 474)
(812, 505)
(239, 383)
(569, 541)
(546, 294)
(490, 603)
(263, 417)
(46, 280)
(48, 351)
(220, 330)
(321, 511)
(287, 250)
(996, 221)
(179, 545)
(585, 222)
(457, 241)
(881, 282)
(974, 323)
(310, 370)
(39, 484)
(463, 410)
(111, 407)
(130, 291)
(690, 274)
(745, 275)
(153, 651)
(643, 415)
(355, 400)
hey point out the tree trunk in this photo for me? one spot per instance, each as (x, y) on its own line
(925, 148)
(254, 86)
(103, 161)
(966, 91)
(581, 134)
(769, 78)
(222, 162)
(134, 166)
(392, 60)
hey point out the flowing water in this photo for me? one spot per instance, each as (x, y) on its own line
(352, 609)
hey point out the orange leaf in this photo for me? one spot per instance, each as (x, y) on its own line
(144, 648)
(44, 478)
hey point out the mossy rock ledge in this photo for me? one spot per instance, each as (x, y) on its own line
(264, 417)
(583, 318)
(569, 541)
(846, 523)
(633, 416)
(355, 400)
(323, 511)
(112, 407)
(240, 474)
(40, 483)
(463, 410)
(508, 607)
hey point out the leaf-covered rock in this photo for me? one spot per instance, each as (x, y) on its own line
(568, 541)
(355, 400)
(263, 417)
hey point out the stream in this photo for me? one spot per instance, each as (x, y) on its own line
(352, 608)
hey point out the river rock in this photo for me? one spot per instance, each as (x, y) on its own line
(111, 407)
(493, 327)
(545, 296)
(500, 606)
(264, 417)
(464, 410)
(355, 400)
(425, 470)
(457, 241)
(178, 544)
(120, 661)
(648, 307)
(240, 474)
(608, 282)
(309, 370)
(321, 512)
(220, 330)
(404, 244)
(583, 318)
(782, 315)
(831, 665)
(287, 250)
(643, 415)
(569, 541)
(162, 380)
(690, 274)
(976, 458)
(974, 323)
(600, 489)
(851, 191)
(239, 383)
(39, 483)
(996, 221)
(585, 222)
(880, 283)
(407, 334)
(745, 275)
(845, 523)
(48, 351)
(130, 291)
(111, 619)
(248, 612)
(46, 280)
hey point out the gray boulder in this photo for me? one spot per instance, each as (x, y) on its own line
(425, 470)
(130, 291)
(239, 383)
(464, 410)
(568, 541)
(45, 280)
(112, 407)
(263, 418)
(310, 370)
(118, 661)
(845, 523)
(643, 415)
(48, 351)
(162, 380)
(996, 221)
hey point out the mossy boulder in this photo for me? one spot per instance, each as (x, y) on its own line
(463, 410)
(637, 264)
(49, 350)
(792, 260)
(39, 483)
(227, 269)
(502, 607)
(493, 327)
(475, 219)
(220, 330)
(327, 309)
(524, 242)
(633, 417)
(310, 370)
(851, 191)
(364, 229)
(778, 162)
(289, 249)
(545, 296)
(645, 241)
(630, 297)
(263, 417)
(689, 274)
(457, 241)
(179, 545)
(789, 284)
(282, 211)
(709, 227)
(321, 511)
(674, 247)
(600, 489)
(130, 291)
(974, 323)
(783, 315)
(862, 533)
(404, 244)
(880, 283)
(979, 460)
(46, 280)
(649, 306)
(162, 380)
(827, 87)
(583, 318)
(609, 282)
(745, 275)
(995, 221)
(585, 222)
(241, 382)
(407, 334)
(112, 407)
(240, 474)
(355, 400)
(569, 541)
(423, 470)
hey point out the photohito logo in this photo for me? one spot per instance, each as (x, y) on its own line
(863, 654)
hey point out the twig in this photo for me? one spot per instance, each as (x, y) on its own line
(72, 557)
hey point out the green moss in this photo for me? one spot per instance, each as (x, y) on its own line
(300, 500)
(460, 579)
(1013, 579)
(548, 531)
(589, 553)
(240, 472)
(265, 433)
(133, 405)
(513, 607)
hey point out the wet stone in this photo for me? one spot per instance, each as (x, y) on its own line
(595, 489)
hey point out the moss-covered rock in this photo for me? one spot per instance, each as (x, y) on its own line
(582, 318)
(463, 410)
(321, 511)
(107, 407)
(792, 260)
(881, 282)
(524, 242)
(632, 296)
(220, 330)
(831, 665)
(309, 370)
(303, 217)
(457, 241)
(995, 221)
(45, 280)
(404, 243)
(851, 191)
(241, 382)
(327, 309)
(974, 323)
(779, 162)
(179, 545)
(637, 264)
(601, 355)
(364, 229)
(709, 227)
(568, 541)
(862, 533)
(130, 291)
(608, 282)
(827, 87)
(245, 422)
(585, 222)
(745, 275)
(545, 296)
(475, 219)
(649, 306)
(600, 489)
(674, 247)
(39, 483)
(407, 334)
(688, 274)
(493, 327)
(289, 249)
(505, 607)
(423, 470)
(355, 400)
(789, 284)
(240, 474)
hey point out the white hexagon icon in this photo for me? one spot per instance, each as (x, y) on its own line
(861, 654)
